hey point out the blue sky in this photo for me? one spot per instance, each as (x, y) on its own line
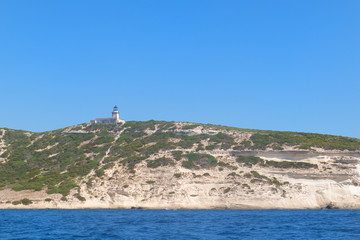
(277, 65)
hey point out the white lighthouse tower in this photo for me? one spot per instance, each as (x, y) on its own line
(114, 119)
(115, 113)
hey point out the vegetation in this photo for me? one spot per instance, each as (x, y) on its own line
(227, 190)
(223, 164)
(272, 139)
(78, 196)
(191, 126)
(249, 160)
(100, 172)
(233, 174)
(177, 155)
(198, 160)
(252, 160)
(160, 162)
(26, 201)
(177, 175)
(23, 201)
(58, 160)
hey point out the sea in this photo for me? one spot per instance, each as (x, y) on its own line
(179, 224)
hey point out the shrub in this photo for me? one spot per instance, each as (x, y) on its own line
(177, 155)
(100, 172)
(78, 196)
(198, 160)
(256, 180)
(210, 147)
(227, 190)
(249, 160)
(252, 160)
(200, 148)
(89, 182)
(177, 175)
(196, 175)
(16, 202)
(160, 162)
(288, 164)
(26, 201)
(258, 175)
(247, 175)
(132, 161)
(64, 187)
(223, 164)
(192, 126)
(275, 182)
(108, 165)
(233, 174)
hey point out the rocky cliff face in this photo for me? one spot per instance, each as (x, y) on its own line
(177, 165)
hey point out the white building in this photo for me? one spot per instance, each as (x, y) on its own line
(114, 119)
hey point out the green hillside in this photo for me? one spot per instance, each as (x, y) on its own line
(58, 160)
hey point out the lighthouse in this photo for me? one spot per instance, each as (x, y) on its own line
(114, 119)
(115, 113)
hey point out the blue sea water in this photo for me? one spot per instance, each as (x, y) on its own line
(179, 224)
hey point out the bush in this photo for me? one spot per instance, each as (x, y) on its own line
(89, 182)
(258, 175)
(223, 164)
(288, 164)
(249, 160)
(252, 160)
(198, 160)
(210, 147)
(81, 198)
(26, 201)
(177, 155)
(160, 162)
(132, 161)
(100, 172)
(233, 174)
(247, 175)
(191, 126)
(16, 202)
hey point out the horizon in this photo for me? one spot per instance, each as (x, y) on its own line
(280, 66)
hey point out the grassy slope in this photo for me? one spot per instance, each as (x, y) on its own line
(57, 162)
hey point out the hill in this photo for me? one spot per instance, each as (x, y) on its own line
(158, 164)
